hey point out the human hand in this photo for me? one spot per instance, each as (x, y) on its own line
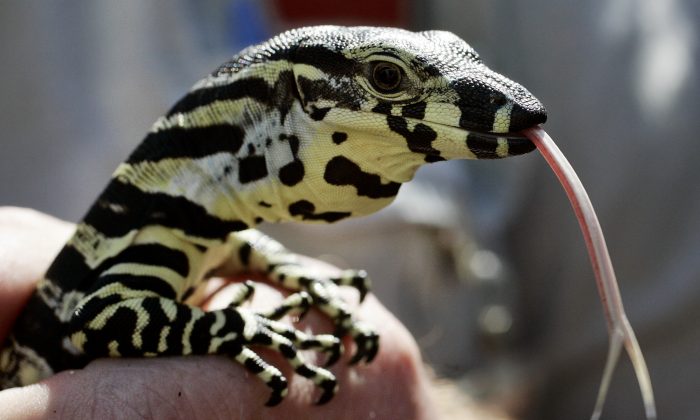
(394, 385)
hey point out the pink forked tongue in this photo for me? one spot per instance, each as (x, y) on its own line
(619, 328)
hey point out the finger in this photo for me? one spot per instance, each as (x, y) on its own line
(29, 240)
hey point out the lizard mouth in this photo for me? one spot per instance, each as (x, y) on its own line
(487, 145)
(482, 144)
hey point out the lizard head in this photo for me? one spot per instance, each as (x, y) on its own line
(331, 120)
(372, 105)
(427, 92)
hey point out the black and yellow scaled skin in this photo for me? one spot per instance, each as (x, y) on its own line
(317, 125)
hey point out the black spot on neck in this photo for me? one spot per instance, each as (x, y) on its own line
(227, 170)
(306, 210)
(342, 171)
(252, 168)
(339, 137)
(292, 173)
(318, 114)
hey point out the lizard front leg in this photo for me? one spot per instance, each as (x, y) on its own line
(256, 252)
(133, 310)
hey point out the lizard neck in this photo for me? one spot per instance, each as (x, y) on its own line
(228, 147)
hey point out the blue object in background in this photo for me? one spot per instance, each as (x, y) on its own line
(248, 23)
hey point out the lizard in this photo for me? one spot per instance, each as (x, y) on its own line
(317, 125)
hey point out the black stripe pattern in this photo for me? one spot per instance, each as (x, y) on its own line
(234, 134)
(190, 143)
(137, 209)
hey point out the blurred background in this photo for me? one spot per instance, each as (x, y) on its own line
(483, 261)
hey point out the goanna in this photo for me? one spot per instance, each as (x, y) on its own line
(318, 124)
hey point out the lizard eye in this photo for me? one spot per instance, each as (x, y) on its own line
(386, 77)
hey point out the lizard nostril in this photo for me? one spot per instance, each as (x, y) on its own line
(497, 99)
(521, 117)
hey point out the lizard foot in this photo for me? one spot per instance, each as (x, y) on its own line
(287, 341)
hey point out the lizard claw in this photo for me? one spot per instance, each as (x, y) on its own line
(367, 342)
(329, 387)
(279, 390)
(286, 341)
(334, 354)
(357, 279)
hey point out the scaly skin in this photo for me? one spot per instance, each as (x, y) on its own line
(318, 124)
